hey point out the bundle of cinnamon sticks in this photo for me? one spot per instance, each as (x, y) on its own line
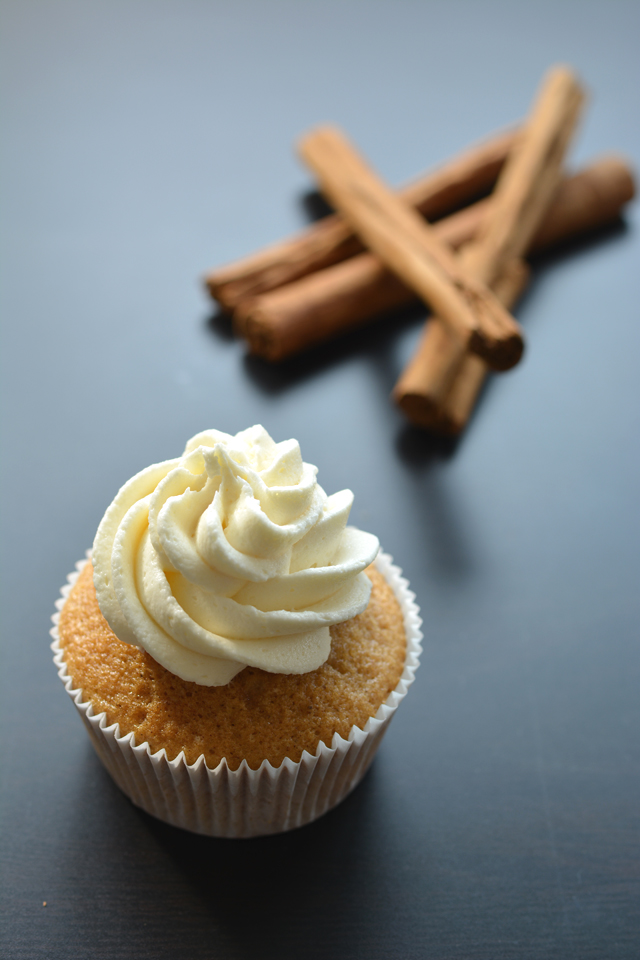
(379, 251)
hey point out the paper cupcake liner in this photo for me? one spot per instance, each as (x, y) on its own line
(244, 802)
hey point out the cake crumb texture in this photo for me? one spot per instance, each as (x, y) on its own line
(257, 715)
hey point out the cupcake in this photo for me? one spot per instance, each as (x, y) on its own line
(235, 649)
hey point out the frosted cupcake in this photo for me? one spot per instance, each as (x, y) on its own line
(234, 654)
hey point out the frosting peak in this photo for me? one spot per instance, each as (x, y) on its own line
(232, 555)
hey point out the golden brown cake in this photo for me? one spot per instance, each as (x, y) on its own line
(235, 648)
(256, 716)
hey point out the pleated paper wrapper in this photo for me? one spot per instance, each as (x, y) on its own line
(245, 802)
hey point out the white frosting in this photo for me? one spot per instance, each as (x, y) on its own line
(231, 556)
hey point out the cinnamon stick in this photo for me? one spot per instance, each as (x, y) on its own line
(309, 311)
(592, 201)
(458, 181)
(453, 413)
(425, 407)
(597, 202)
(410, 247)
(529, 178)
(521, 198)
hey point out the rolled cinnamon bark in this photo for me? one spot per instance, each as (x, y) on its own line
(412, 249)
(457, 182)
(529, 178)
(520, 200)
(309, 311)
(457, 406)
(586, 201)
(425, 408)
(592, 202)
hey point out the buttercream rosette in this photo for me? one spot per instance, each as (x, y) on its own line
(231, 556)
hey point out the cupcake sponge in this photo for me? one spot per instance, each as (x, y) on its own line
(257, 715)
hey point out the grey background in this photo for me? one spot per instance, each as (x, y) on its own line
(144, 142)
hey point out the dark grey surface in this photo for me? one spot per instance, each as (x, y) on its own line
(146, 141)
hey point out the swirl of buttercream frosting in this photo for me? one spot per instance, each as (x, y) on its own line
(231, 556)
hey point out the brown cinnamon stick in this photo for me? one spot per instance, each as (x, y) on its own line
(425, 407)
(309, 311)
(530, 177)
(457, 182)
(521, 198)
(592, 201)
(452, 415)
(412, 250)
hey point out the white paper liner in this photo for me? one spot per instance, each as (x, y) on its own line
(245, 802)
